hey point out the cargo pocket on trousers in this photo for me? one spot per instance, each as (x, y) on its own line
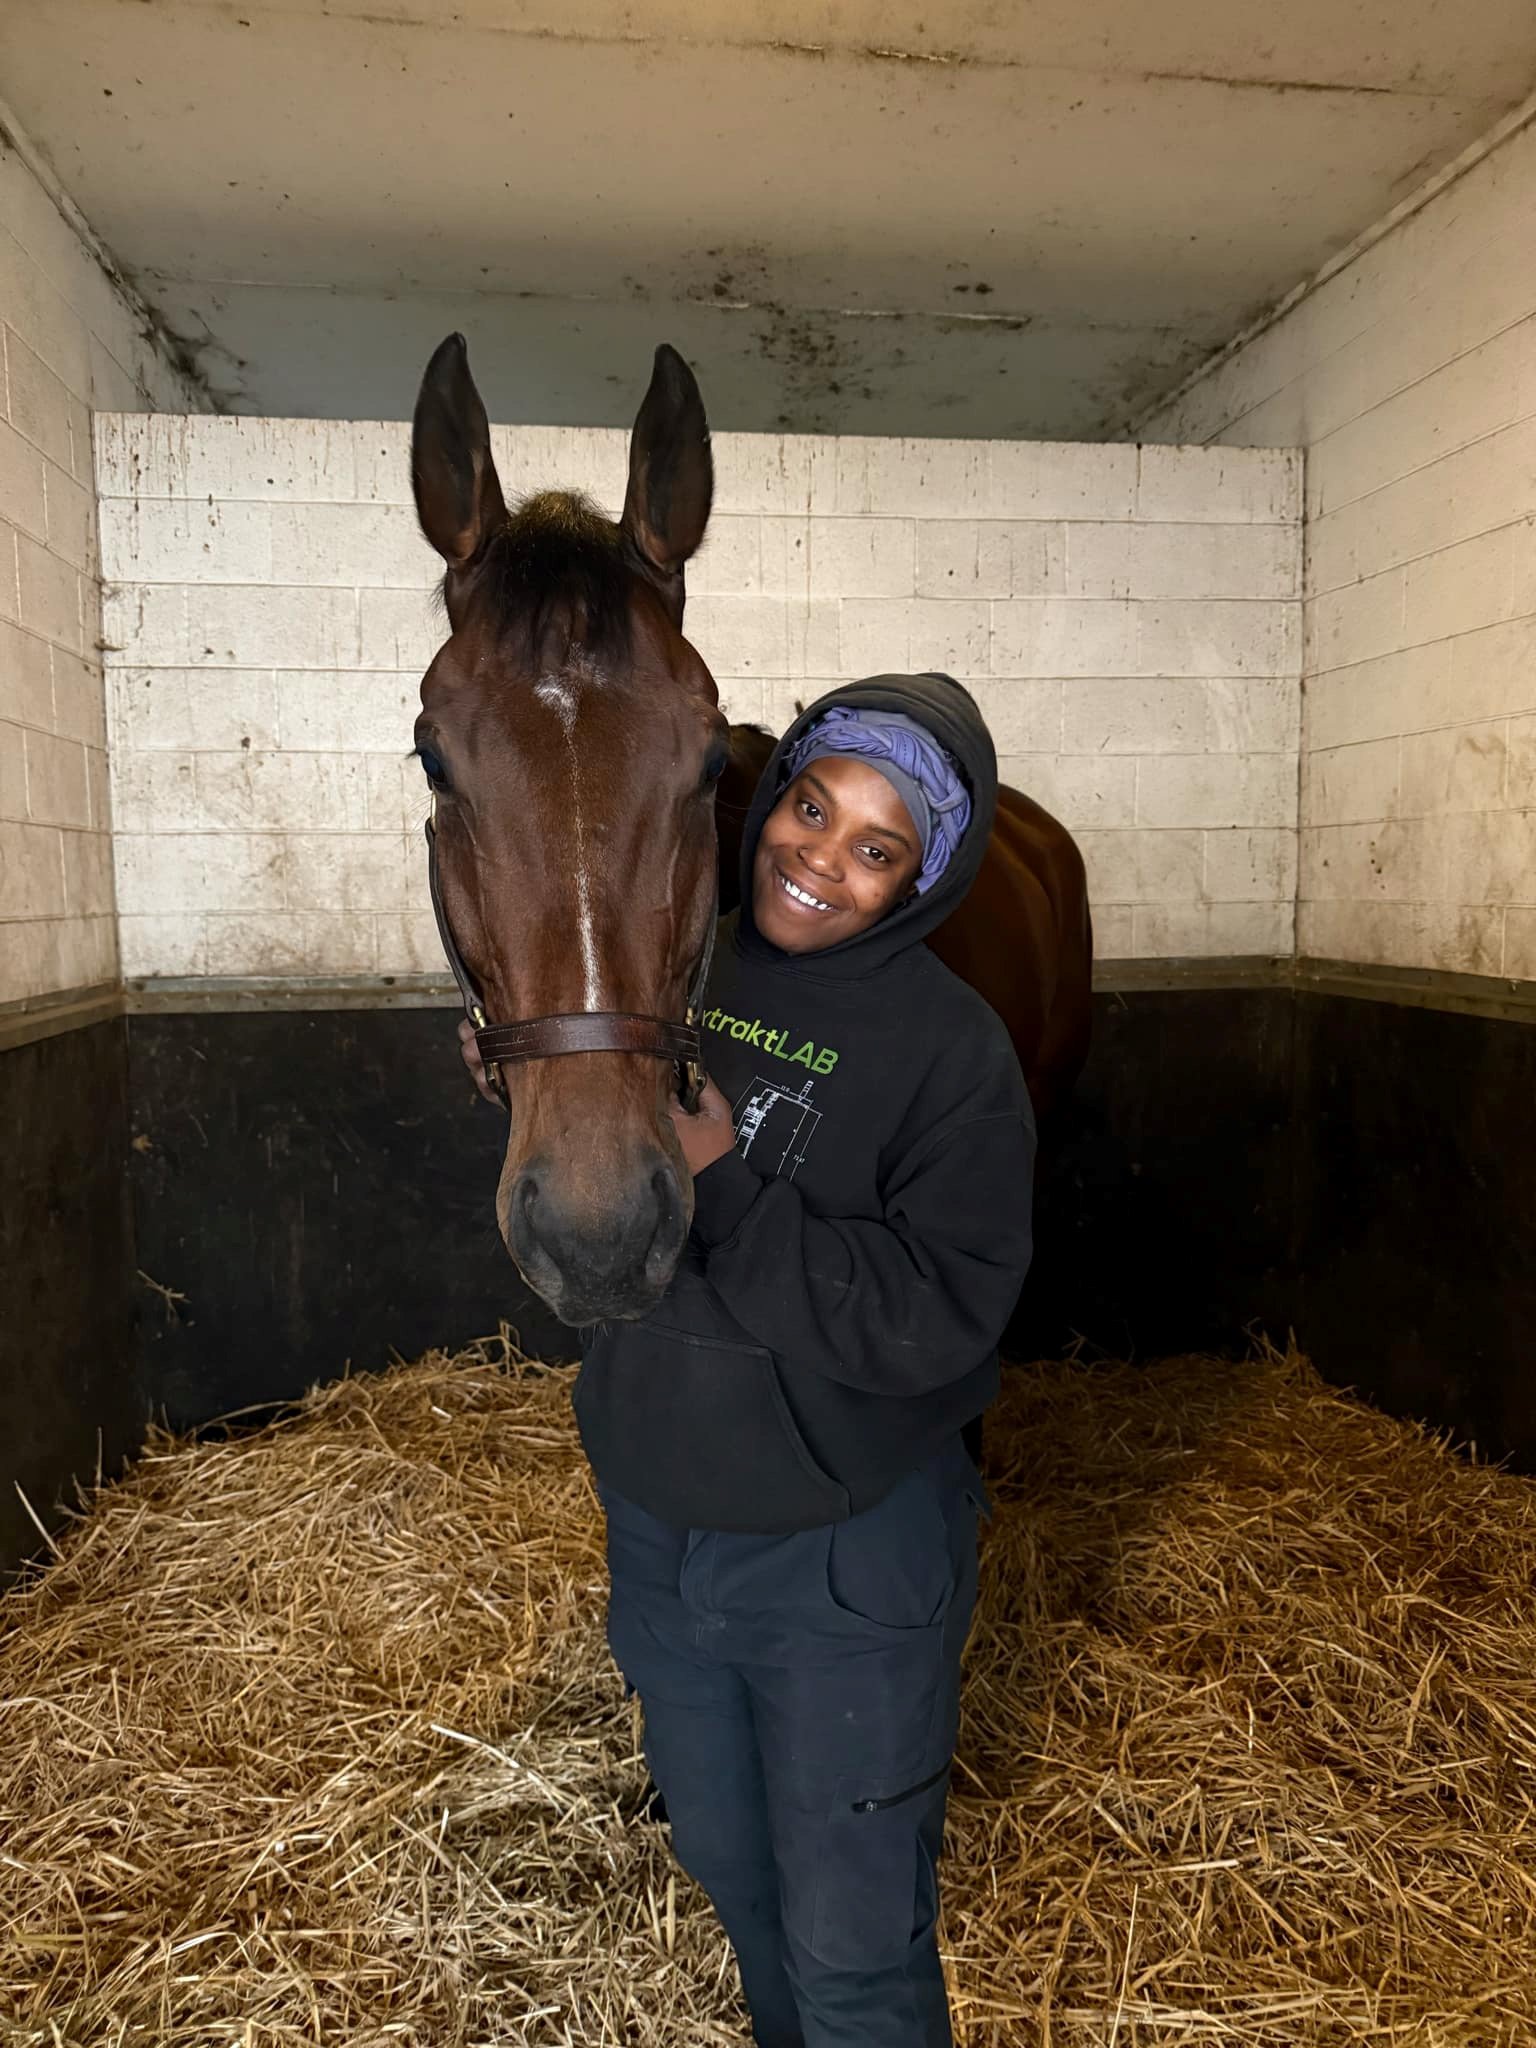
(875, 1891)
(889, 1570)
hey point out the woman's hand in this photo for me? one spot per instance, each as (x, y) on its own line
(708, 1134)
(470, 1054)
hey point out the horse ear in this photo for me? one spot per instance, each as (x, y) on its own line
(458, 494)
(671, 476)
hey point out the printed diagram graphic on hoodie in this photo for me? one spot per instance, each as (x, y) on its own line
(854, 1261)
(785, 1122)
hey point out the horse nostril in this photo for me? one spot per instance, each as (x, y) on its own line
(667, 1238)
(521, 1218)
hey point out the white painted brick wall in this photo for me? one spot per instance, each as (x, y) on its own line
(1131, 627)
(68, 342)
(1410, 377)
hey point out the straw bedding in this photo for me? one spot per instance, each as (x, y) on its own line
(309, 1736)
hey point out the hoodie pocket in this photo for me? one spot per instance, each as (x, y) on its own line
(696, 1430)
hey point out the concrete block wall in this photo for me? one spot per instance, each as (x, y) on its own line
(69, 341)
(1130, 623)
(1410, 378)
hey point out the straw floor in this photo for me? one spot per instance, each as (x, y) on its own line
(309, 1736)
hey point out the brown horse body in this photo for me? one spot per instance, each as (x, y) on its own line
(1022, 938)
(573, 743)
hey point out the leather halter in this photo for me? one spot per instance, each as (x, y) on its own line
(573, 1031)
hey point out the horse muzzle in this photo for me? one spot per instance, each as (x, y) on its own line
(609, 1260)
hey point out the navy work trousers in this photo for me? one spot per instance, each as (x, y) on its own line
(801, 1697)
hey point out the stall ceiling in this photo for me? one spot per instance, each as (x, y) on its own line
(872, 216)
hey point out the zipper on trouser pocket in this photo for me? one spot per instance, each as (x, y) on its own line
(900, 1798)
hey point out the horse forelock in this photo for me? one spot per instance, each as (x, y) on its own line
(555, 575)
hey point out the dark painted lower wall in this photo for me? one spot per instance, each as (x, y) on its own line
(319, 1187)
(1163, 1205)
(315, 1189)
(1415, 1274)
(69, 1388)
(1362, 1172)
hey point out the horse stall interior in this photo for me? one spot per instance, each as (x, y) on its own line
(1221, 503)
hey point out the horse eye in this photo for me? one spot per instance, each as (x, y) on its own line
(714, 767)
(432, 768)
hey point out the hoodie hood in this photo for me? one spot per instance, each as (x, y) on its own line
(946, 710)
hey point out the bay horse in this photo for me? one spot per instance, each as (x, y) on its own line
(573, 742)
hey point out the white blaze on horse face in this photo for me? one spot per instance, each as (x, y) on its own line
(560, 696)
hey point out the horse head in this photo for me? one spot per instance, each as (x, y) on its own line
(572, 739)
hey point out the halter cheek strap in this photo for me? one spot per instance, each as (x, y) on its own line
(573, 1031)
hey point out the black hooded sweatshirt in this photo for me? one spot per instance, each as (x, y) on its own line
(854, 1261)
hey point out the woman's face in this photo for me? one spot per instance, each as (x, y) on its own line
(838, 851)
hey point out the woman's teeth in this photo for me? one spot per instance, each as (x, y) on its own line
(802, 895)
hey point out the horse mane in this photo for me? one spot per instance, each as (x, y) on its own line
(559, 568)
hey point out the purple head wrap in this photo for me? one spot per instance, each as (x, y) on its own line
(911, 760)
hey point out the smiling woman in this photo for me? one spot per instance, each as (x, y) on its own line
(873, 808)
(838, 851)
(779, 1444)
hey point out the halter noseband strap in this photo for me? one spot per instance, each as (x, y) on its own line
(572, 1031)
